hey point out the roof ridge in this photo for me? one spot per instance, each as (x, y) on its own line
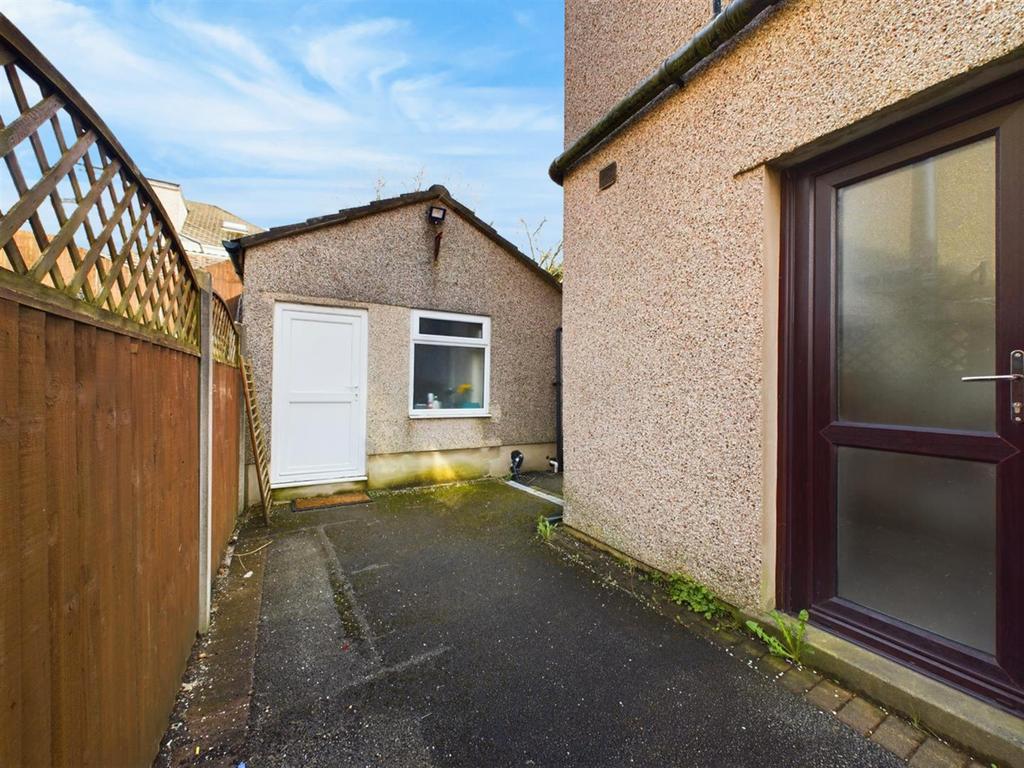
(345, 215)
(189, 201)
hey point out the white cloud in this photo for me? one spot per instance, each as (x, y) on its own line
(434, 103)
(348, 57)
(206, 101)
(222, 39)
(523, 18)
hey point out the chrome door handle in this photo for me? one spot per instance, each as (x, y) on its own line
(995, 377)
(1015, 376)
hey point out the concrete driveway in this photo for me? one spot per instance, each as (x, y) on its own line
(431, 628)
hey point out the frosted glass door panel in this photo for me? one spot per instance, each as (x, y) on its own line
(916, 300)
(916, 540)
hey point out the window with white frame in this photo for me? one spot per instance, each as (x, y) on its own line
(449, 365)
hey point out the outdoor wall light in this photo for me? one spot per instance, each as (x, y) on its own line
(435, 214)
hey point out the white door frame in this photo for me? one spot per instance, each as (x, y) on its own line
(279, 389)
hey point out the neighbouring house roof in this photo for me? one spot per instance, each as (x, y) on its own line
(201, 227)
(236, 246)
(206, 222)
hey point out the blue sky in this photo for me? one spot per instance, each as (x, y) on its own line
(280, 111)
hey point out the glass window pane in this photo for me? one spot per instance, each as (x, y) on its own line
(916, 541)
(464, 328)
(447, 377)
(916, 266)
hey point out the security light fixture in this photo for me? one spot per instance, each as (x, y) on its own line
(436, 214)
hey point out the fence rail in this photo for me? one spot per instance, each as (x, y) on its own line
(101, 442)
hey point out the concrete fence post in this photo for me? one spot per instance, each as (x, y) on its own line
(205, 447)
(243, 434)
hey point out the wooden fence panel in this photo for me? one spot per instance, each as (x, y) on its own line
(99, 434)
(99, 553)
(227, 402)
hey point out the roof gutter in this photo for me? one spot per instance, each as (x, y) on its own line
(733, 19)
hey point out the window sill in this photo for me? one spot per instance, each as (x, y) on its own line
(447, 414)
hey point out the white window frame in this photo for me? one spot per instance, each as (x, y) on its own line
(484, 343)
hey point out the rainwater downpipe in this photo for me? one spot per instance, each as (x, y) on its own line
(732, 20)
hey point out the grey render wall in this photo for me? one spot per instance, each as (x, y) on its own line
(384, 263)
(671, 321)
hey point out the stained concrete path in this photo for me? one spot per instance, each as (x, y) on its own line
(433, 629)
(547, 482)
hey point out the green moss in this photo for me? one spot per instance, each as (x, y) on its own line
(349, 622)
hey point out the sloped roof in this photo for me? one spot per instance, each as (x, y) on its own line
(205, 223)
(236, 248)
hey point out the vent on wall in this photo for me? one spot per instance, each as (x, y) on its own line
(607, 176)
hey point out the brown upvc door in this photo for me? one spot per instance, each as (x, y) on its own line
(902, 472)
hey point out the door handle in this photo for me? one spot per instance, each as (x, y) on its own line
(995, 377)
(1015, 376)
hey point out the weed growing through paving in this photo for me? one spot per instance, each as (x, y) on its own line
(791, 645)
(545, 528)
(683, 590)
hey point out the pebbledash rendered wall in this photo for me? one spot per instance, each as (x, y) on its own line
(384, 263)
(671, 289)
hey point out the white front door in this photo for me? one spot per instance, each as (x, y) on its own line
(319, 397)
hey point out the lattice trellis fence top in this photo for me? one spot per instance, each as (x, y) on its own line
(76, 215)
(225, 338)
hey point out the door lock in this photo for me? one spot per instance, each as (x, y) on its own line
(1016, 379)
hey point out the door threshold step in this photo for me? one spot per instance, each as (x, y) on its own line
(337, 500)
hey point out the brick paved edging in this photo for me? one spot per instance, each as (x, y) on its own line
(895, 734)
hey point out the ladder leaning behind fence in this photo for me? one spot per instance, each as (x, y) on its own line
(258, 437)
